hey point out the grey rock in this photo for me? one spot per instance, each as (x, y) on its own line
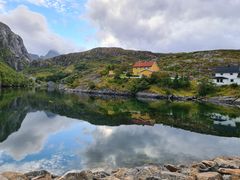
(100, 174)
(37, 173)
(171, 168)
(12, 48)
(224, 162)
(172, 176)
(75, 175)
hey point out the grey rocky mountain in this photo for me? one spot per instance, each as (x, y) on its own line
(12, 49)
(50, 54)
(34, 56)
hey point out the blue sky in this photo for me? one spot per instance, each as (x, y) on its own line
(154, 25)
(69, 23)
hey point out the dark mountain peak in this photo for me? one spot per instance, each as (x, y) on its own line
(12, 49)
(34, 56)
(50, 54)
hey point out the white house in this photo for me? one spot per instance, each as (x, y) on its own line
(226, 75)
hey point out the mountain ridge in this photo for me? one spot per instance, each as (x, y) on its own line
(48, 55)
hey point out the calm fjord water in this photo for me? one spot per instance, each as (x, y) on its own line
(59, 132)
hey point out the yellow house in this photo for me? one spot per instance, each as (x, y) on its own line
(145, 68)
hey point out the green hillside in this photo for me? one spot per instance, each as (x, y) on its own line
(90, 70)
(11, 78)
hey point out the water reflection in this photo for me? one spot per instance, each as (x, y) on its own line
(33, 133)
(62, 132)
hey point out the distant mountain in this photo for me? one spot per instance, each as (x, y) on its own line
(34, 56)
(107, 55)
(50, 54)
(12, 49)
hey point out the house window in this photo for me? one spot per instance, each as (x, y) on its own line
(232, 80)
(231, 74)
(221, 73)
(219, 80)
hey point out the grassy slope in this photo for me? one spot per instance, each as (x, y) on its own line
(81, 68)
(9, 77)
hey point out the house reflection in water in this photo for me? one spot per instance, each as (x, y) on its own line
(224, 120)
(142, 118)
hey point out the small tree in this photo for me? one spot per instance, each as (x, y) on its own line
(91, 85)
(139, 85)
(206, 87)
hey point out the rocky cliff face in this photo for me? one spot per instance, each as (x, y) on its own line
(12, 49)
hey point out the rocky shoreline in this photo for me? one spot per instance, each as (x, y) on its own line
(221, 100)
(220, 168)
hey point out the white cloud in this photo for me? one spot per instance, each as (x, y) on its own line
(2, 5)
(61, 6)
(38, 2)
(34, 29)
(157, 144)
(166, 25)
(33, 134)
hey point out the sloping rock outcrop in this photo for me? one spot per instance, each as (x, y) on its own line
(12, 49)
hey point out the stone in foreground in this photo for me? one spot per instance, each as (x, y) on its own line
(209, 176)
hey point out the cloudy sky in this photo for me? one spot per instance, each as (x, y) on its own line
(155, 25)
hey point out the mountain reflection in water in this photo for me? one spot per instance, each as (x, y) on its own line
(59, 132)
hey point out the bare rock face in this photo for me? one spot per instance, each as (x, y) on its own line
(12, 49)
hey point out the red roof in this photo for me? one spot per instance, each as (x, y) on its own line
(143, 64)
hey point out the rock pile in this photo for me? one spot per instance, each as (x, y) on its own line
(221, 168)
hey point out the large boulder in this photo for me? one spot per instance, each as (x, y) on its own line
(75, 175)
(40, 175)
(229, 171)
(226, 162)
(209, 176)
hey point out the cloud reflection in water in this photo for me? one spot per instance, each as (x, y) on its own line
(57, 143)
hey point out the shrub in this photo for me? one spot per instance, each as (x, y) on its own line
(205, 87)
(56, 77)
(104, 72)
(81, 66)
(182, 82)
(139, 85)
(91, 85)
(164, 80)
(234, 86)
